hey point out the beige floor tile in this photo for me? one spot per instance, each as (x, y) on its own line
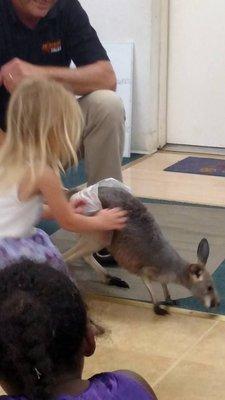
(107, 358)
(148, 332)
(200, 373)
(193, 381)
(147, 178)
(137, 339)
(211, 350)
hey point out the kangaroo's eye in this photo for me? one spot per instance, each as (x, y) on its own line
(210, 288)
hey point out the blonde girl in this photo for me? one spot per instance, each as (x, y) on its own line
(44, 125)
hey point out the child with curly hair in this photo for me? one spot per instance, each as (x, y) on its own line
(45, 336)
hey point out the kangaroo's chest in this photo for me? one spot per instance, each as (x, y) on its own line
(158, 274)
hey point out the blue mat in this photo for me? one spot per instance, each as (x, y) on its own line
(199, 166)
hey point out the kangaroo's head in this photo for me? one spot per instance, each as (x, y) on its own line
(200, 281)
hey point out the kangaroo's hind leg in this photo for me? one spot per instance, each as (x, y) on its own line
(84, 248)
(85, 245)
(106, 278)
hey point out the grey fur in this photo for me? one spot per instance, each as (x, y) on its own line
(142, 249)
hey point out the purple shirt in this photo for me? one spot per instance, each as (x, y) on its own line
(107, 386)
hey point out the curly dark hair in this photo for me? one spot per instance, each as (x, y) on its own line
(42, 325)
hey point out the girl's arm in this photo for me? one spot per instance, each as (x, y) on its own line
(49, 185)
(77, 205)
(46, 214)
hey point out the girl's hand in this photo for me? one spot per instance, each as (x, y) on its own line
(110, 219)
(78, 205)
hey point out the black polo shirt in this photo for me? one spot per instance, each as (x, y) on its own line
(65, 34)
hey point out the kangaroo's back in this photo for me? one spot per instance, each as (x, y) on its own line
(141, 242)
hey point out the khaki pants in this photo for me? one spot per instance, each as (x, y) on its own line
(103, 135)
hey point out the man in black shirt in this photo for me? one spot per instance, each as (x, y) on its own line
(41, 38)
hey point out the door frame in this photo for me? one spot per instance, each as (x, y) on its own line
(159, 67)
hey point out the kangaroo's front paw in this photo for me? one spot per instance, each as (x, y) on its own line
(160, 311)
(115, 281)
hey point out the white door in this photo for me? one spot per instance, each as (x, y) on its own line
(196, 75)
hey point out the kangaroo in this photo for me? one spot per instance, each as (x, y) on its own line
(142, 249)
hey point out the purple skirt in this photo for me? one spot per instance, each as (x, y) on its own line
(38, 248)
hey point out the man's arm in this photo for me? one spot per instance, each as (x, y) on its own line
(81, 80)
(87, 79)
(94, 70)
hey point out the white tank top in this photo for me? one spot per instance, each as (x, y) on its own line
(18, 218)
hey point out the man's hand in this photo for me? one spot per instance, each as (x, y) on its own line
(81, 81)
(14, 71)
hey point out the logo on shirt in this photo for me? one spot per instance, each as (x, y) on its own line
(52, 47)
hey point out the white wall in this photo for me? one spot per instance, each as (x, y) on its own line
(126, 21)
(196, 90)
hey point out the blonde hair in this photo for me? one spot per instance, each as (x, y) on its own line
(44, 124)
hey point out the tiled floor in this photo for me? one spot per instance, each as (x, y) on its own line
(183, 355)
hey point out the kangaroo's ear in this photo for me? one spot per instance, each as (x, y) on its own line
(203, 251)
(196, 272)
